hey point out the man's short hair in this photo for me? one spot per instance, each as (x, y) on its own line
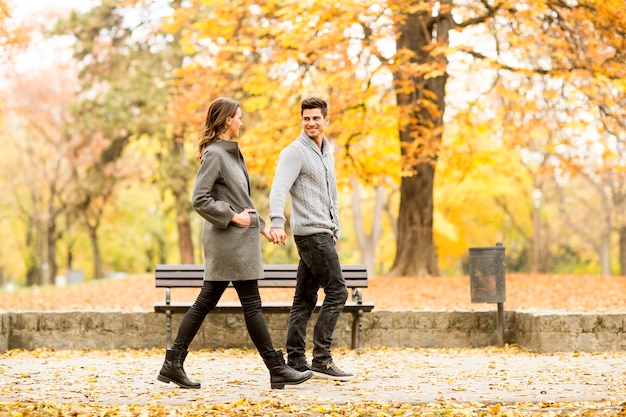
(314, 103)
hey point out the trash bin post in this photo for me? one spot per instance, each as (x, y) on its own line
(501, 324)
(487, 279)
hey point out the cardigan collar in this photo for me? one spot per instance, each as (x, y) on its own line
(310, 143)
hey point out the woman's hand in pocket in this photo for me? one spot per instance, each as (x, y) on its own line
(243, 218)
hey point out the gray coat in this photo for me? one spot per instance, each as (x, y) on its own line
(222, 188)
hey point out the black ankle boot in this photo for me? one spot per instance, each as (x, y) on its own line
(172, 369)
(282, 374)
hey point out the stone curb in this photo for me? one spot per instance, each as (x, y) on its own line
(537, 331)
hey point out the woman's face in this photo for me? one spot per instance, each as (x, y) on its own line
(235, 124)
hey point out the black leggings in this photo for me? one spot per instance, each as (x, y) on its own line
(248, 292)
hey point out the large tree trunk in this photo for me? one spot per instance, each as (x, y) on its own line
(415, 253)
(420, 97)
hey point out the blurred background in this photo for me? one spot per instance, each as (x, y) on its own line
(455, 123)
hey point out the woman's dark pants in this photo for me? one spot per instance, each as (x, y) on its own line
(248, 292)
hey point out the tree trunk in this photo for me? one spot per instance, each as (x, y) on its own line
(95, 248)
(31, 254)
(393, 221)
(535, 265)
(49, 268)
(622, 250)
(185, 240)
(180, 190)
(33, 275)
(420, 97)
(415, 250)
(605, 252)
(367, 242)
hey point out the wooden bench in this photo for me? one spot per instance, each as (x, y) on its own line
(276, 276)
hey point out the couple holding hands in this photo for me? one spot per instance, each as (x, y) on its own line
(232, 245)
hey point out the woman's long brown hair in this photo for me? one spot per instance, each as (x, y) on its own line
(216, 122)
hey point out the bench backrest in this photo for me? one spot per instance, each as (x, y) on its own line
(276, 276)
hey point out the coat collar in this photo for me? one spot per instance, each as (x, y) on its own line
(229, 145)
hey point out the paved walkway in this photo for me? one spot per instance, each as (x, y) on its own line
(411, 376)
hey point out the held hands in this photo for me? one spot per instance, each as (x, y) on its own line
(278, 236)
(270, 235)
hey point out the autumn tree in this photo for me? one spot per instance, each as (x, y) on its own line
(40, 176)
(106, 112)
(561, 103)
(126, 83)
(368, 59)
(384, 67)
(571, 35)
(41, 81)
(8, 35)
(251, 56)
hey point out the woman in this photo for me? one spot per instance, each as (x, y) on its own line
(232, 246)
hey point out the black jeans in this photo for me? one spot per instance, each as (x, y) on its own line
(318, 267)
(248, 292)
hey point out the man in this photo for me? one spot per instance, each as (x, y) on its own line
(306, 172)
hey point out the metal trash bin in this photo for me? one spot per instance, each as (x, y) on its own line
(487, 271)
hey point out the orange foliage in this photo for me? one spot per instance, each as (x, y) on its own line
(269, 57)
(578, 293)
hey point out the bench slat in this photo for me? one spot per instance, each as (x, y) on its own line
(199, 273)
(267, 267)
(275, 276)
(263, 283)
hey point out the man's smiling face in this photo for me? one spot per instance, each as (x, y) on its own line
(314, 123)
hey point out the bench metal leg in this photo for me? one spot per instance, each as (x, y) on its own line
(168, 326)
(357, 331)
(355, 320)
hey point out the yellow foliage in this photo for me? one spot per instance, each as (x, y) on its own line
(548, 77)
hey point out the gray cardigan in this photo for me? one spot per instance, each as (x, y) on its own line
(222, 188)
(307, 174)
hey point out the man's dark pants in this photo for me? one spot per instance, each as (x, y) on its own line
(318, 267)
